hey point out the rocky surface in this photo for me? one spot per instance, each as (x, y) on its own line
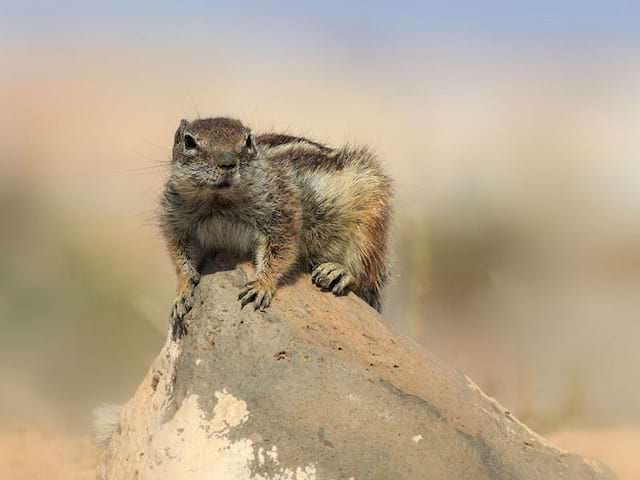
(315, 388)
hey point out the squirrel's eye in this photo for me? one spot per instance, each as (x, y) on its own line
(249, 142)
(190, 142)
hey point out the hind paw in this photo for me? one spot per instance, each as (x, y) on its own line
(332, 276)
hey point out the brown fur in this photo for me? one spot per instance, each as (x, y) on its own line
(289, 202)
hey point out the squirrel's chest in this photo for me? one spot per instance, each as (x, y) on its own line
(216, 234)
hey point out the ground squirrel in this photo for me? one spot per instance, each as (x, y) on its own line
(291, 203)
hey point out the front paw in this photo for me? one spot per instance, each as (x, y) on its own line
(182, 305)
(257, 292)
(332, 276)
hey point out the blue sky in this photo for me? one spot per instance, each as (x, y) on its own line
(371, 22)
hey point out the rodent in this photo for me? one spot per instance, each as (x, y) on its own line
(289, 202)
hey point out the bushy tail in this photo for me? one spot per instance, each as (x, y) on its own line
(373, 293)
(105, 423)
(372, 296)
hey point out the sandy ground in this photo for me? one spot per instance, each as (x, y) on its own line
(31, 454)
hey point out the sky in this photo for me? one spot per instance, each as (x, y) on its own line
(374, 24)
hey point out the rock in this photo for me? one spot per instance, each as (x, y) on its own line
(315, 388)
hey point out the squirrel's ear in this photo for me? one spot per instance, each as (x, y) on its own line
(251, 142)
(180, 131)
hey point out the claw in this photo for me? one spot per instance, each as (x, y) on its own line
(194, 280)
(253, 292)
(246, 296)
(181, 306)
(178, 329)
(332, 276)
(342, 284)
(258, 301)
(323, 272)
(246, 288)
(265, 301)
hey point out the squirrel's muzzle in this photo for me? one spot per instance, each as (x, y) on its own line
(226, 160)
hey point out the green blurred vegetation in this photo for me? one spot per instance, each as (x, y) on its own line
(71, 332)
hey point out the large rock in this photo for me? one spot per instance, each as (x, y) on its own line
(319, 388)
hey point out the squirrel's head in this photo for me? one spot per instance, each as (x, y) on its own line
(212, 152)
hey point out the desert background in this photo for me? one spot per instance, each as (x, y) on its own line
(511, 130)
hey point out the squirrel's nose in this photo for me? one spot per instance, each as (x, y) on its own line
(226, 161)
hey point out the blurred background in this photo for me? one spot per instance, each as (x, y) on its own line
(511, 129)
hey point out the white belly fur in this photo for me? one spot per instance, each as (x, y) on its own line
(222, 235)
